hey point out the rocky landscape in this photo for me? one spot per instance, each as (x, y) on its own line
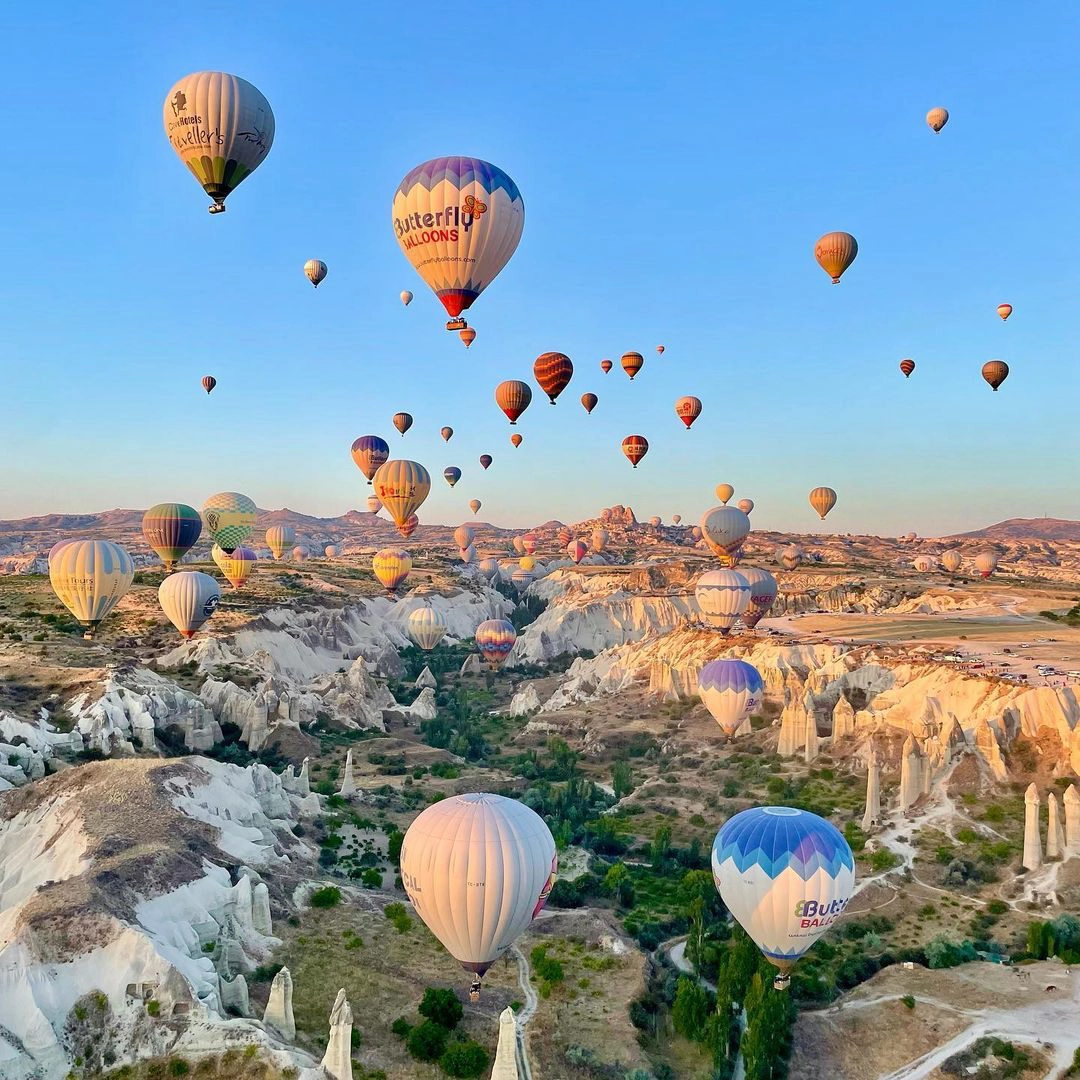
(167, 807)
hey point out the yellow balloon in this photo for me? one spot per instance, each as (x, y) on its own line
(724, 492)
(90, 577)
(401, 486)
(822, 499)
(835, 252)
(391, 566)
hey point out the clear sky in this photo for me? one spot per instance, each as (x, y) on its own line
(677, 166)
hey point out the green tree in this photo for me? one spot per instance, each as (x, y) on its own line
(622, 779)
(660, 848)
(467, 1059)
(697, 937)
(442, 1007)
(690, 1012)
(427, 1041)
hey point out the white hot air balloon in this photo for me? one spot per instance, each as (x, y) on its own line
(951, 560)
(731, 691)
(725, 529)
(478, 869)
(90, 577)
(427, 626)
(188, 599)
(722, 596)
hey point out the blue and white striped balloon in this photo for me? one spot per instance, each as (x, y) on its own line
(731, 691)
(722, 596)
(786, 875)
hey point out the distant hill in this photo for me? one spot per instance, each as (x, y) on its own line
(1027, 529)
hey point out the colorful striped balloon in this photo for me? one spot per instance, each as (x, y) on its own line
(632, 363)
(402, 487)
(171, 530)
(763, 591)
(513, 396)
(229, 518)
(90, 577)
(786, 875)
(495, 638)
(279, 539)
(235, 567)
(369, 452)
(553, 372)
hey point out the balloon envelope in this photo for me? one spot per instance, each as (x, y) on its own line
(90, 577)
(188, 599)
(478, 869)
(937, 119)
(835, 252)
(986, 562)
(599, 540)
(725, 529)
(513, 397)
(235, 567)
(279, 539)
(427, 627)
(635, 447)
(495, 638)
(995, 372)
(464, 535)
(1004, 310)
(722, 596)
(515, 439)
(315, 271)
(724, 492)
(402, 487)
(406, 297)
(171, 530)
(688, 409)
(369, 452)
(221, 128)
(951, 560)
(467, 335)
(588, 402)
(822, 499)
(391, 567)
(402, 421)
(229, 518)
(458, 220)
(474, 505)
(553, 372)
(786, 875)
(606, 366)
(485, 460)
(451, 474)
(632, 363)
(208, 383)
(763, 589)
(745, 505)
(447, 433)
(731, 691)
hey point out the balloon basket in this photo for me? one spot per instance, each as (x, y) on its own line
(781, 981)
(217, 208)
(453, 324)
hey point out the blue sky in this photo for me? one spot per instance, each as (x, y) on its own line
(676, 171)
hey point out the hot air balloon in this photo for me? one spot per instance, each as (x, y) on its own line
(299, 553)
(391, 567)
(923, 563)
(373, 504)
(589, 401)
(513, 397)
(485, 460)
(599, 540)
(688, 409)
(576, 550)
(458, 220)
(553, 371)
(171, 530)
(724, 492)
(90, 577)
(427, 627)
(677, 518)
(402, 487)
(478, 869)
(515, 439)
(402, 421)
(236, 567)
(763, 591)
(835, 252)
(632, 363)
(468, 555)
(408, 526)
(660, 349)
(952, 560)
(986, 562)
(995, 372)
(229, 518)
(495, 638)
(315, 271)
(822, 499)
(655, 521)
(907, 366)
(279, 539)
(474, 505)
(331, 551)
(731, 690)
(696, 533)
(564, 536)
(635, 447)
(745, 505)
(188, 599)
(489, 568)
(55, 549)
(370, 452)
(521, 579)
(221, 128)
(722, 596)
(527, 563)
(447, 433)
(786, 875)
(606, 366)
(208, 383)
(725, 529)
(464, 536)
(451, 474)
(1004, 310)
(791, 556)
(937, 119)
(529, 542)
(406, 297)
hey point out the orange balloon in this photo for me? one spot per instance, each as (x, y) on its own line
(1004, 310)
(635, 447)
(589, 401)
(835, 252)
(515, 439)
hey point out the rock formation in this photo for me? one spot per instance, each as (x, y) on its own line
(525, 702)
(912, 764)
(986, 743)
(872, 815)
(279, 1012)
(425, 680)
(1032, 839)
(261, 919)
(1055, 834)
(811, 737)
(1072, 819)
(424, 707)
(472, 665)
(348, 781)
(234, 995)
(505, 1067)
(843, 719)
(792, 730)
(337, 1060)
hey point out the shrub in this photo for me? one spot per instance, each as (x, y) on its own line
(153, 1007)
(401, 1027)
(427, 1041)
(467, 1059)
(441, 1007)
(178, 1067)
(326, 897)
(399, 917)
(909, 1001)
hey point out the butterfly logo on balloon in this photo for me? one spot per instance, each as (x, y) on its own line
(473, 206)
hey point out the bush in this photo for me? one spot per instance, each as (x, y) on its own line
(178, 1067)
(908, 1000)
(427, 1041)
(466, 1059)
(401, 1027)
(153, 1007)
(441, 1007)
(399, 917)
(327, 897)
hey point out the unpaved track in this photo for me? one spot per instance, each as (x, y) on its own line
(526, 1013)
